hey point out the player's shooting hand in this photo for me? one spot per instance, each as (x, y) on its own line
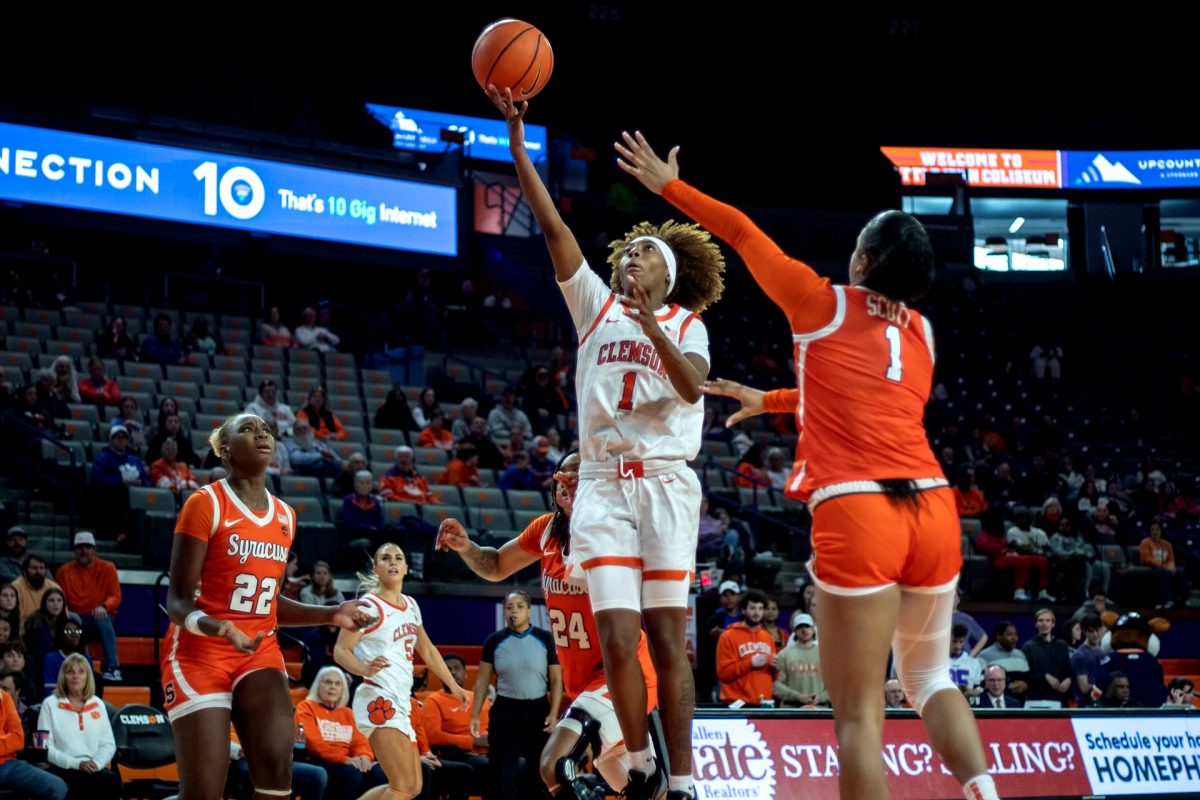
(637, 307)
(751, 399)
(514, 115)
(638, 159)
(452, 536)
(240, 641)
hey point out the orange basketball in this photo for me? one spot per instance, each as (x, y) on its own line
(512, 55)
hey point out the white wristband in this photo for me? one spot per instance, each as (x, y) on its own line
(192, 622)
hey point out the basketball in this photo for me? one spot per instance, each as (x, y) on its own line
(512, 55)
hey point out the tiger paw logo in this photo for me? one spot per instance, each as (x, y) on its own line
(380, 710)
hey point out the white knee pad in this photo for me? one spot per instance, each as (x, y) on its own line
(921, 645)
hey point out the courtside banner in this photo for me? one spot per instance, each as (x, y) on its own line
(118, 176)
(790, 757)
(997, 169)
(1140, 755)
(1132, 169)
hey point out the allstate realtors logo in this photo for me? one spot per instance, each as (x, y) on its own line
(1104, 171)
(731, 760)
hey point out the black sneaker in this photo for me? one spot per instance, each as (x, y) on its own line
(645, 787)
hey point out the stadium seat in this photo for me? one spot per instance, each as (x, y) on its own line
(299, 486)
(525, 500)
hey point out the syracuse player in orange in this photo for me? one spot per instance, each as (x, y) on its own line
(222, 661)
(383, 654)
(546, 540)
(885, 530)
(643, 355)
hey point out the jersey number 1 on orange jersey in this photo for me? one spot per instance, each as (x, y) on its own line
(242, 600)
(895, 369)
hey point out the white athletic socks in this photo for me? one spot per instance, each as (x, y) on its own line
(642, 760)
(679, 783)
(981, 787)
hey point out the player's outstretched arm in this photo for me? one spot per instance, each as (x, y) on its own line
(486, 562)
(564, 250)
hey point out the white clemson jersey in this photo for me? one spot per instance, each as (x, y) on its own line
(394, 636)
(627, 405)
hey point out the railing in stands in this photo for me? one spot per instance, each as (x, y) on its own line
(483, 372)
(753, 511)
(22, 456)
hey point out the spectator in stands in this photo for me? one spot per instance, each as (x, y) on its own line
(115, 342)
(427, 403)
(69, 640)
(1049, 662)
(463, 469)
(25, 778)
(362, 512)
(280, 465)
(1004, 651)
(10, 604)
(15, 685)
(490, 456)
(332, 740)
(32, 585)
(201, 339)
(51, 404)
(544, 399)
(468, 409)
(1119, 693)
(159, 347)
(524, 660)
(1073, 478)
(1170, 504)
(116, 465)
(750, 472)
(778, 468)
(995, 683)
(309, 781)
(166, 407)
(967, 496)
(436, 435)
(977, 637)
(66, 380)
(713, 427)
(16, 541)
(799, 681)
(93, 591)
(273, 332)
(81, 741)
(520, 475)
(1027, 540)
(347, 480)
(992, 543)
(893, 694)
(43, 630)
(1170, 582)
(1180, 692)
(402, 483)
(1085, 661)
(172, 431)
(394, 414)
(555, 442)
(1149, 471)
(98, 388)
(966, 671)
(498, 298)
(309, 455)
(321, 591)
(448, 725)
(1145, 499)
(6, 631)
(540, 461)
(13, 656)
(1037, 483)
(516, 444)
(37, 411)
(1002, 488)
(168, 472)
(1076, 561)
(1103, 526)
(746, 658)
(268, 406)
(325, 424)
(771, 624)
(1049, 516)
(506, 416)
(311, 336)
(130, 417)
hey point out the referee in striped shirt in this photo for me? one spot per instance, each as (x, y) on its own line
(528, 694)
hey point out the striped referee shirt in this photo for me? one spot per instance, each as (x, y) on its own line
(521, 662)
